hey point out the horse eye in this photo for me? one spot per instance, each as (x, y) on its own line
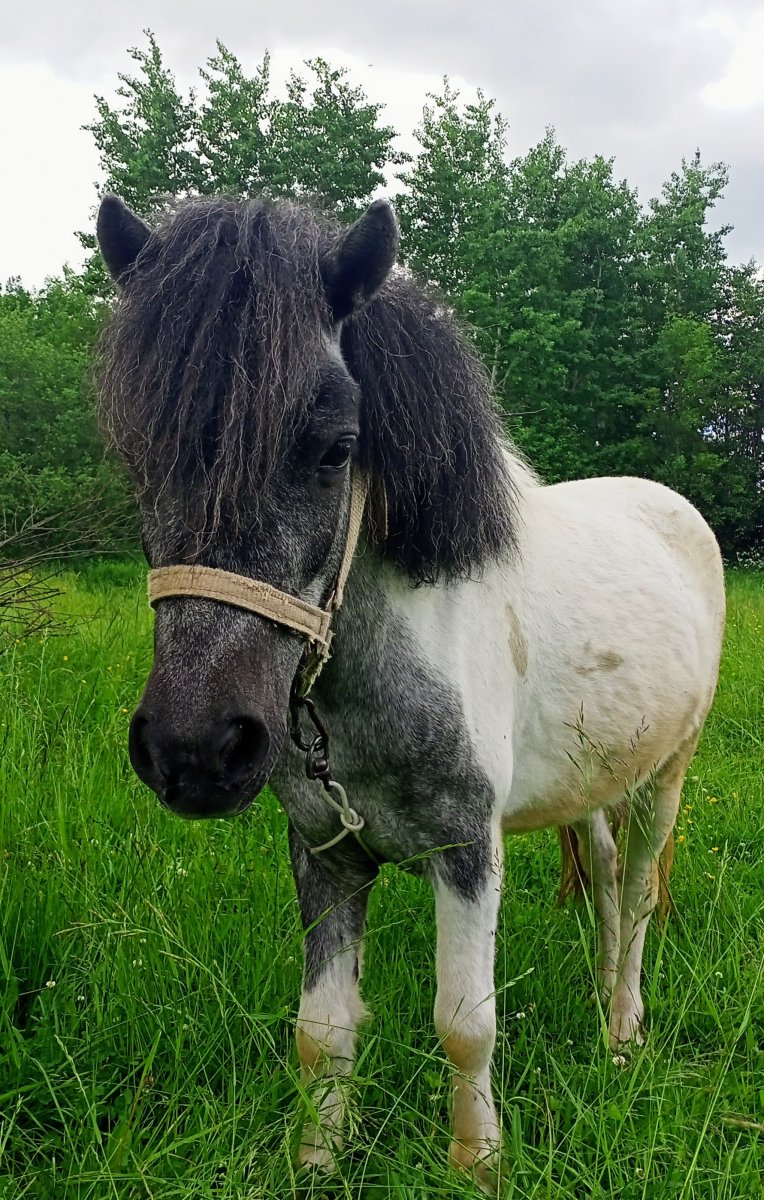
(338, 456)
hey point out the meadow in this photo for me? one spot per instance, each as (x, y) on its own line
(150, 971)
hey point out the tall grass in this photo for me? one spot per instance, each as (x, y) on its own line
(150, 971)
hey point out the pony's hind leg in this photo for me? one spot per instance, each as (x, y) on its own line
(652, 815)
(598, 854)
(467, 893)
(333, 911)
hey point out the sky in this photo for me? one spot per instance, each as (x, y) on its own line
(643, 81)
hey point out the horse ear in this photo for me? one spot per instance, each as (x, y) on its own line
(121, 236)
(360, 260)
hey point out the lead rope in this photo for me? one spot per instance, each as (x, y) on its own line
(316, 753)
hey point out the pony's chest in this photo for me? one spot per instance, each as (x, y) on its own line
(409, 770)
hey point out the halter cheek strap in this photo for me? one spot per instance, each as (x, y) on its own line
(309, 620)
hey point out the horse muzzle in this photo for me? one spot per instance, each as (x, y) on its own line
(214, 773)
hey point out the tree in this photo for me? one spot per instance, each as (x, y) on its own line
(737, 426)
(324, 140)
(234, 136)
(51, 459)
(618, 339)
(327, 143)
(574, 231)
(684, 257)
(148, 144)
(532, 253)
(454, 213)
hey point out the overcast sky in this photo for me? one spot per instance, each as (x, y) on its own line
(645, 81)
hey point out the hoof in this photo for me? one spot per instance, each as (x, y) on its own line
(481, 1162)
(625, 1029)
(312, 1157)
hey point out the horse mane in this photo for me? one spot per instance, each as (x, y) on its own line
(430, 434)
(210, 367)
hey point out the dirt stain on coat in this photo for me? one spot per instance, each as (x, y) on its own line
(608, 660)
(518, 644)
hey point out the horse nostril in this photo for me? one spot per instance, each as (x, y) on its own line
(242, 749)
(140, 753)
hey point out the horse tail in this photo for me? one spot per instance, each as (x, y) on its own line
(666, 861)
(574, 877)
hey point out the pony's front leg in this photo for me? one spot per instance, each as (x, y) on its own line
(333, 910)
(467, 892)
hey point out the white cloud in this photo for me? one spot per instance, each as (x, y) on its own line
(742, 84)
(49, 166)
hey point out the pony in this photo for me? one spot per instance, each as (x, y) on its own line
(509, 656)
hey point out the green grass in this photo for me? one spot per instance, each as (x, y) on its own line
(150, 972)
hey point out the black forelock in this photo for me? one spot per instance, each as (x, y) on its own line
(212, 355)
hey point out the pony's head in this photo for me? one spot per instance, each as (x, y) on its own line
(246, 367)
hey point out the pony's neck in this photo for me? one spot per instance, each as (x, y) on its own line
(371, 626)
(363, 627)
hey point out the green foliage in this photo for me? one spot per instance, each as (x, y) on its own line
(151, 972)
(454, 214)
(323, 141)
(327, 142)
(232, 127)
(146, 143)
(51, 457)
(618, 338)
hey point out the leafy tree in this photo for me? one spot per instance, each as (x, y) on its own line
(51, 458)
(532, 254)
(233, 128)
(454, 212)
(618, 339)
(327, 142)
(685, 258)
(324, 140)
(147, 144)
(574, 230)
(737, 427)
